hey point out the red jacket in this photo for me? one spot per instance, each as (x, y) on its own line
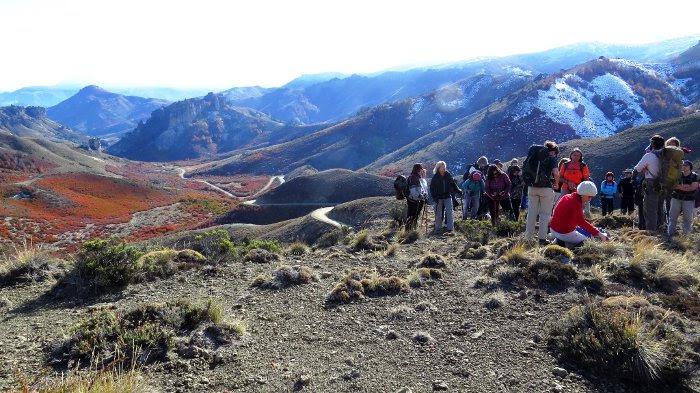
(568, 214)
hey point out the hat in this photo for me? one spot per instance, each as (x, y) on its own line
(587, 188)
(688, 163)
(609, 174)
(482, 161)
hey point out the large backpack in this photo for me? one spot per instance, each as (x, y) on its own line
(401, 187)
(536, 172)
(670, 160)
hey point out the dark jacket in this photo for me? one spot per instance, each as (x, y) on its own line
(516, 186)
(442, 187)
(498, 185)
(626, 187)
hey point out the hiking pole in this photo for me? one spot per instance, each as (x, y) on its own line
(425, 217)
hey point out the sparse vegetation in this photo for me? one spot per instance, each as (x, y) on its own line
(636, 345)
(361, 283)
(420, 276)
(407, 236)
(298, 249)
(28, 263)
(285, 276)
(330, 239)
(364, 242)
(105, 263)
(558, 253)
(475, 229)
(507, 228)
(391, 250)
(258, 255)
(495, 300)
(141, 335)
(114, 380)
(474, 251)
(433, 261)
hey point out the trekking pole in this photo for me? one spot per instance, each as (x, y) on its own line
(425, 217)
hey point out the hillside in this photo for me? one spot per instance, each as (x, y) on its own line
(375, 132)
(595, 99)
(36, 96)
(32, 121)
(331, 186)
(95, 111)
(201, 127)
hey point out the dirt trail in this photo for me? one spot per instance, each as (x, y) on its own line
(322, 215)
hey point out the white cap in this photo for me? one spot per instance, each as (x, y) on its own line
(587, 188)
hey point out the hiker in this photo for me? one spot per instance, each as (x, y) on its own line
(481, 165)
(572, 172)
(473, 188)
(557, 187)
(539, 174)
(626, 188)
(442, 187)
(672, 142)
(498, 163)
(417, 196)
(661, 166)
(683, 200)
(608, 188)
(568, 225)
(516, 190)
(638, 181)
(497, 190)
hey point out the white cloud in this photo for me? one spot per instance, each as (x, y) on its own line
(210, 43)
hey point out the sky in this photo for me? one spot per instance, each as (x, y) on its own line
(221, 44)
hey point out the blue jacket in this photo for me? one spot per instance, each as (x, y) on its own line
(608, 190)
(473, 186)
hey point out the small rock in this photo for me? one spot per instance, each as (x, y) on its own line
(391, 335)
(326, 274)
(537, 338)
(422, 337)
(352, 374)
(404, 390)
(478, 334)
(439, 386)
(557, 388)
(302, 381)
(560, 372)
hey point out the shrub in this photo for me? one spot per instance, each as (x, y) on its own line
(546, 271)
(262, 244)
(215, 243)
(360, 283)
(593, 335)
(421, 275)
(108, 263)
(166, 262)
(516, 255)
(614, 222)
(407, 236)
(475, 229)
(141, 335)
(29, 263)
(397, 213)
(285, 276)
(495, 300)
(433, 261)
(594, 278)
(258, 255)
(363, 242)
(558, 253)
(473, 251)
(298, 249)
(592, 252)
(330, 239)
(507, 228)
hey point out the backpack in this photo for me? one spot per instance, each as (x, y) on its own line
(697, 198)
(670, 159)
(536, 172)
(401, 187)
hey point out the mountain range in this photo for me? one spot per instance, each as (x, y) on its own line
(97, 112)
(32, 121)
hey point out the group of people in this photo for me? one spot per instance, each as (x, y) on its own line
(557, 194)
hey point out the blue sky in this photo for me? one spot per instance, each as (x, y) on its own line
(219, 44)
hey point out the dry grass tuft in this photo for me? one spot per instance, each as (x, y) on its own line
(433, 261)
(558, 253)
(27, 263)
(298, 249)
(495, 300)
(420, 276)
(361, 283)
(407, 237)
(285, 276)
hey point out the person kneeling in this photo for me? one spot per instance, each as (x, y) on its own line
(568, 225)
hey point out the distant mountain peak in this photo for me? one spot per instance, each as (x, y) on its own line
(92, 89)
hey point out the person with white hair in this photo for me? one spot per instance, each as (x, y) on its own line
(568, 224)
(442, 187)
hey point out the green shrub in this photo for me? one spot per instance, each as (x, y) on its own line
(166, 262)
(471, 252)
(477, 230)
(215, 243)
(330, 239)
(108, 263)
(508, 228)
(262, 244)
(619, 343)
